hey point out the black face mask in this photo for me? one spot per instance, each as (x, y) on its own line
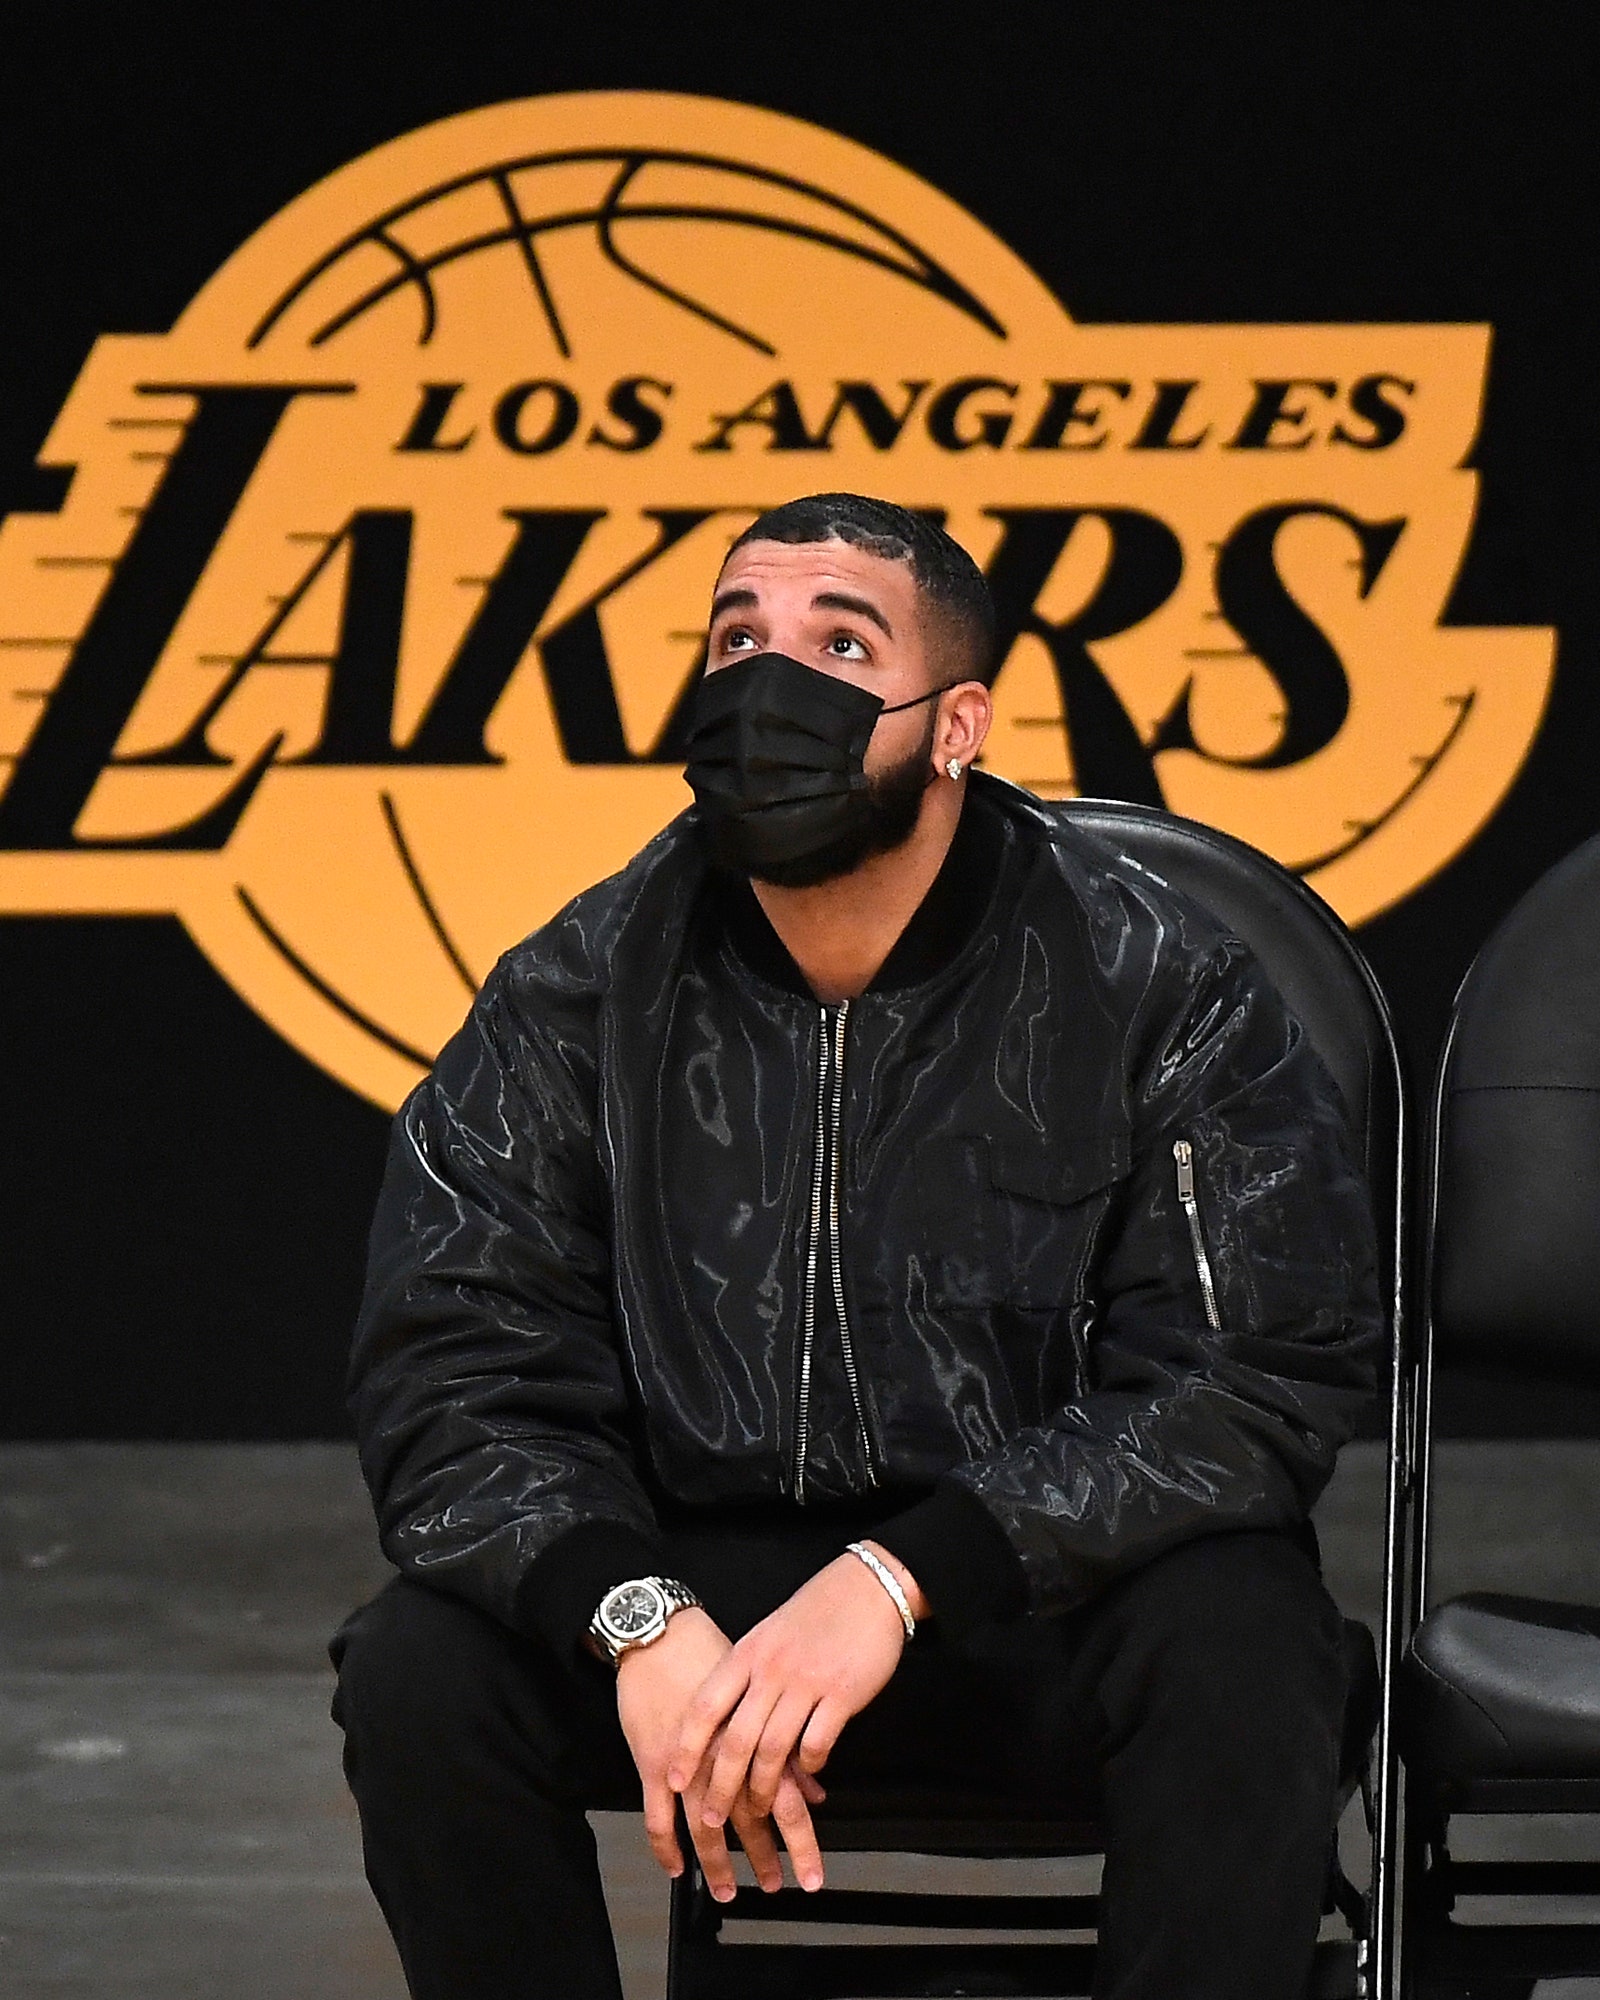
(776, 762)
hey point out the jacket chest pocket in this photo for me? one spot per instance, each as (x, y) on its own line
(1008, 1223)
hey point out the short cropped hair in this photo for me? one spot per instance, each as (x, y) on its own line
(950, 583)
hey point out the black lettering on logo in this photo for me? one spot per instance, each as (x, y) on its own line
(1145, 568)
(1270, 412)
(776, 411)
(627, 404)
(1290, 645)
(560, 418)
(128, 632)
(362, 669)
(423, 433)
(1387, 419)
(1162, 420)
(577, 668)
(1063, 413)
(881, 425)
(949, 406)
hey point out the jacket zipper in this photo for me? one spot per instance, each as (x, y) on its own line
(846, 1349)
(1183, 1155)
(825, 1177)
(808, 1321)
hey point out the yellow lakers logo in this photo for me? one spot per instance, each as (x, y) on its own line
(361, 638)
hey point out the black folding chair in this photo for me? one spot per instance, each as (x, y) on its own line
(1499, 1697)
(1316, 967)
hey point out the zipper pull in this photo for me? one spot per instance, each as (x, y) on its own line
(1183, 1157)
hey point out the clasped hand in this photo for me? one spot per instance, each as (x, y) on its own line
(740, 1731)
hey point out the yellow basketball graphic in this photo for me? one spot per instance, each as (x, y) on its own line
(361, 638)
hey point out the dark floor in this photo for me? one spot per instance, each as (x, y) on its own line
(172, 1822)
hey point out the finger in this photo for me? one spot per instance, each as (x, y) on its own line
(661, 1825)
(711, 1844)
(820, 1735)
(793, 1819)
(760, 1846)
(812, 1790)
(730, 1767)
(715, 1700)
(774, 1750)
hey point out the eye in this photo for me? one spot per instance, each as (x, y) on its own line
(734, 639)
(846, 646)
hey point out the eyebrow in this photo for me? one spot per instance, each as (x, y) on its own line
(838, 600)
(732, 600)
(825, 600)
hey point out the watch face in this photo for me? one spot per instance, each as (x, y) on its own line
(631, 1611)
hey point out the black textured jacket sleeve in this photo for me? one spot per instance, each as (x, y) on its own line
(1184, 1427)
(487, 1386)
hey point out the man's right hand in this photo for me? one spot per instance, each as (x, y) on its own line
(655, 1685)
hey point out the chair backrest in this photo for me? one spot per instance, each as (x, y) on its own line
(1306, 952)
(1516, 1240)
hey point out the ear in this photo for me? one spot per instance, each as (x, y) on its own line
(965, 714)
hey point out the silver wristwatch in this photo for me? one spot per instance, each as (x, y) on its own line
(635, 1613)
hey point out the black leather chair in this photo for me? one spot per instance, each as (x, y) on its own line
(1499, 1698)
(1326, 982)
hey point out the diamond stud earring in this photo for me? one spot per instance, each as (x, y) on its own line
(954, 767)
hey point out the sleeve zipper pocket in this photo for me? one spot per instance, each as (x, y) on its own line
(1183, 1155)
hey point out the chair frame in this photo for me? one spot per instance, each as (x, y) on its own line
(702, 1966)
(1415, 1928)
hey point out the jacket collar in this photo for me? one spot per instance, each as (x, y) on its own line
(948, 916)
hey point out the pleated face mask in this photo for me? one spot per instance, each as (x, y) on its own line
(777, 756)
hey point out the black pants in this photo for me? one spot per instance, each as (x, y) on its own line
(1194, 1707)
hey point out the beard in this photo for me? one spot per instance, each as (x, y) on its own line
(891, 807)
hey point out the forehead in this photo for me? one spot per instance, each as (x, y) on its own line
(803, 569)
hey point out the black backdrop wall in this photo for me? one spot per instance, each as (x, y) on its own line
(185, 1198)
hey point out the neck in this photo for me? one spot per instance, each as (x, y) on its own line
(840, 932)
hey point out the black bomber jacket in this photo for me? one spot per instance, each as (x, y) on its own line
(1045, 1254)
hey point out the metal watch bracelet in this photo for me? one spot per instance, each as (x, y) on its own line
(636, 1613)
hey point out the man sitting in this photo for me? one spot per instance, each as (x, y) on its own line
(878, 1210)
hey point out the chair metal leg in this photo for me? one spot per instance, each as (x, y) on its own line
(1406, 1526)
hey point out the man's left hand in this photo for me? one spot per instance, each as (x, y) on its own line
(790, 1685)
